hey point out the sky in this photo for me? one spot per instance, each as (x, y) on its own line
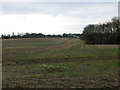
(53, 17)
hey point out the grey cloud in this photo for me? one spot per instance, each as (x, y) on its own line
(69, 9)
(65, 8)
(60, 1)
(78, 10)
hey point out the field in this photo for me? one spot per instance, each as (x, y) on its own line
(58, 63)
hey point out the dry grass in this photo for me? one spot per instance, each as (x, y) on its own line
(58, 62)
(108, 46)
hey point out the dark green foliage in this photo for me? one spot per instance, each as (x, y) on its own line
(37, 35)
(107, 33)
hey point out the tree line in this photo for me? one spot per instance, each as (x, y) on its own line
(37, 35)
(106, 33)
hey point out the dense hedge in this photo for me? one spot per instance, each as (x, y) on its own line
(107, 33)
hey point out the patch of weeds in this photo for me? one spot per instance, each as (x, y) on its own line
(51, 68)
(54, 68)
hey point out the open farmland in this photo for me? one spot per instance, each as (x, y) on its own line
(58, 62)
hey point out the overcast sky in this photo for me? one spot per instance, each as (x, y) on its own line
(54, 17)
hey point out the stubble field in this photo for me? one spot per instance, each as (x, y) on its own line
(58, 63)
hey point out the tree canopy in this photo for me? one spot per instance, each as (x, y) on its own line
(106, 33)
